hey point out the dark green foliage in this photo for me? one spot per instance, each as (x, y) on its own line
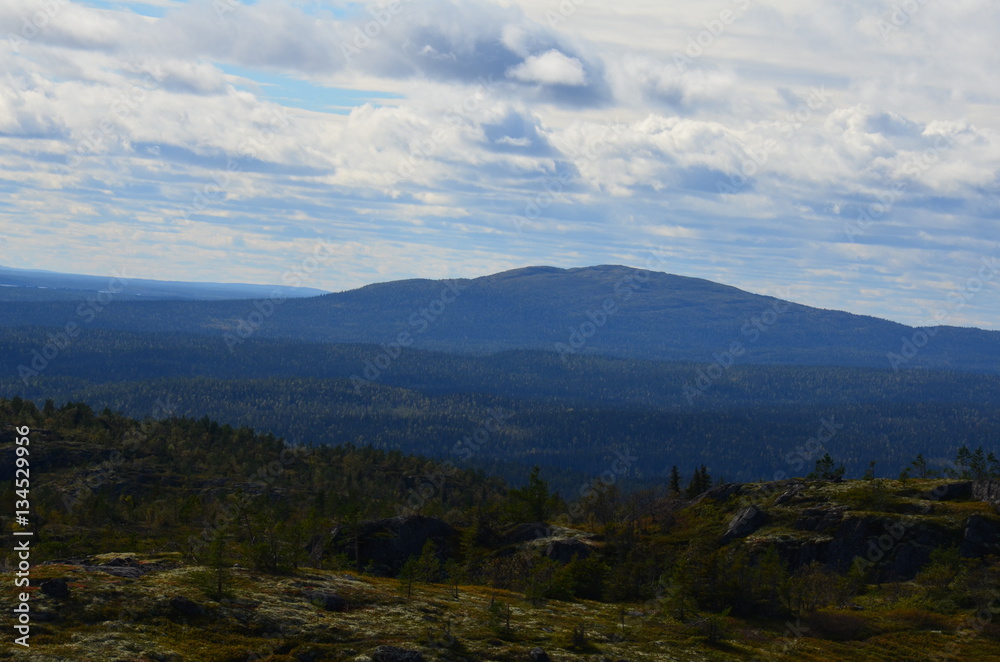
(700, 482)
(675, 481)
(226, 495)
(976, 465)
(566, 418)
(825, 469)
(533, 502)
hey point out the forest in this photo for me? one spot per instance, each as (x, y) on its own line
(753, 422)
(693, 557)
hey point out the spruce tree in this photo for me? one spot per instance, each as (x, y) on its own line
(675, 481)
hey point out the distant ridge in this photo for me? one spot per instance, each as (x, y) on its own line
(608, 310)
(40, 285)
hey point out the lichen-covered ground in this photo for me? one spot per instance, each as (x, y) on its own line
(109, 618)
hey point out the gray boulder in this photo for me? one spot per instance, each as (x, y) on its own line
(987, 490)
(536, 654)
(55, 588)
(326, 599)
(744, 522)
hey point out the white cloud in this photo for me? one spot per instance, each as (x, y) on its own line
(131, 136)
(550, 68)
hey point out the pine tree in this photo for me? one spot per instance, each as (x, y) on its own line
(675, 481)
(218, 562)
(428, 566)
(919, 465)
(406, 576)
(825, 470)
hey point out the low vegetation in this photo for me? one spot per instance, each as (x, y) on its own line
(181, 539)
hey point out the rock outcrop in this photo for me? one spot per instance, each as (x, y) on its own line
(326, 599)
(980, 538)
(565, 550)
(722, 492)
(987, 490)
(744, 522)
(384, 545)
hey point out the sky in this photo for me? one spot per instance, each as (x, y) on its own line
(844, 154)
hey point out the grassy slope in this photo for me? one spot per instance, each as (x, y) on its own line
(111, 618)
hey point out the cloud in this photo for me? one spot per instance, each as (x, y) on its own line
(456, 138)
(550, 68)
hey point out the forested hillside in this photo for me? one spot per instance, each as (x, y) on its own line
(151, 534)
(752, 422)
(605, 310)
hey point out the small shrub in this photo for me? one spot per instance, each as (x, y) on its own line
(916, 619)
(839, 626)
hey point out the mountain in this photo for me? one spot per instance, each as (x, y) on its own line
(606, 310)
(36, 285)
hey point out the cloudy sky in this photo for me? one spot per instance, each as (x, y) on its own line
(847, 151)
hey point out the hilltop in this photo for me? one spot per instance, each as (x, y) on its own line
(606, 310)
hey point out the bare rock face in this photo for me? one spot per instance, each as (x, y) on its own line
(987, 490)
(980, 538)
(951, 492)
(326, 600)
(563, 551)
(525, 532)
(386, 544)
(893, 548)
(744, 522)
(789, 495)
(819, 519)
